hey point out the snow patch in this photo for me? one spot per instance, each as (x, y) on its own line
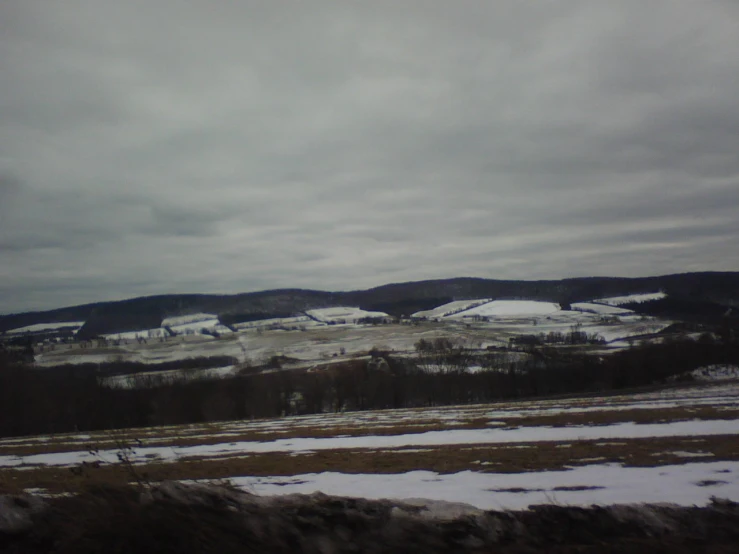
(631, 298)
(684, 454)
(599, 484)
(450, 308)
(343, 314)
(134, 335)
(208, 326)
(601, 309)
(430, 438)
(715, 373)
(43, 327)
(510, 308)
(185, 319)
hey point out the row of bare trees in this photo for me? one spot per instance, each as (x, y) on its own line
(40, 401)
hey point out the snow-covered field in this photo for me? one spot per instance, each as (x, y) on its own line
(505, 455)
(205, 327)
(485, 307)
(136, 335)
(311, 342)
(334, 334)
(185, 319)
(195, 323)
(597, 484)
(679, 444)
(600, 308)
(343, 315)
(631, 299)
(510, 308)
(43, 327)
(450, 308)
(451, 437)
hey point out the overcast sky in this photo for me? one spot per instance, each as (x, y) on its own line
(160, 146)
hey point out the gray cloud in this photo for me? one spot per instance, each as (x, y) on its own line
(151, 147)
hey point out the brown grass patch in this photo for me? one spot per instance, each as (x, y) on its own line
(641, 416)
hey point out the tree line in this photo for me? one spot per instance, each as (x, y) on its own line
(40, 401)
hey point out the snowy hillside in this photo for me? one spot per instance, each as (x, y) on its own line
(450, 308)
(343, 315)
(603, 309)
(46, 327)
(195, 323)
(631, 299)
(134, 335)
(208, 327)
(191, 324)
(185, 319)
(510, 308)
(302, 320)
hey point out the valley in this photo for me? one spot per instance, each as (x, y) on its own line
(498, 403)
(307, 342)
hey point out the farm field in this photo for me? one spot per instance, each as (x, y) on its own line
(307, 344)
(678, 444)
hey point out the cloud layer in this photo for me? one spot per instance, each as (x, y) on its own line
(154, 147)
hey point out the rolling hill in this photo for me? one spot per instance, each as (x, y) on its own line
(689, 295)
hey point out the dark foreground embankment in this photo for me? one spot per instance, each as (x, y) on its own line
(206, 518)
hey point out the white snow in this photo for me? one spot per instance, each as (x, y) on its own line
(431, 438)
(41, 327)
(343, 314)
(599, 308)
(631, 298)
(185, 319)
(602, 484)
(716, 373)
(133, 335)
(686, 484)
(684, 454)
(450, 308)
(212, 325)
(313, 342)
(195, 327)
(510, 308)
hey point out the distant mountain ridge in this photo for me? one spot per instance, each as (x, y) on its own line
(717, 289)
